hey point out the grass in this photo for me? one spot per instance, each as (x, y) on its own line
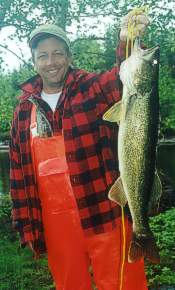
(18, 271)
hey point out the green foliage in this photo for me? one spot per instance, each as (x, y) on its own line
(163, 227)
(110, 45)
(167, 100)
(86, 16)
(5, 218)
(9, 90)
(18, 271)
(88, 55)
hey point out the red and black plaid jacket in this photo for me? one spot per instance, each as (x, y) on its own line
(91, 152)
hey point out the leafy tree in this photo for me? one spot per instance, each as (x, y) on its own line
(91, 51)
(163, 273)
(25, 15)
(167, 101)
(9, 89)
(88, 55)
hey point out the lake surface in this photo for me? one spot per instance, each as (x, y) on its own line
(165, 161)
(4, 171)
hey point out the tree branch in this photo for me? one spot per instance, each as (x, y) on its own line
(94, 15)
(9, 50)
(99, 54)
(93, 37)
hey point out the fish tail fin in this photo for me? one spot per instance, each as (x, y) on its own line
(143, 247)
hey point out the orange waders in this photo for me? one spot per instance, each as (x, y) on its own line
(69, 252)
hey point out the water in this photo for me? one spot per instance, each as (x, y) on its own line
(4, 172)
(166, 162)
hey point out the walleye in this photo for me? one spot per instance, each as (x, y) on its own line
(138, 117)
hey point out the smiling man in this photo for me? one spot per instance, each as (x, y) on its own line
(51, 60)
(62, 165)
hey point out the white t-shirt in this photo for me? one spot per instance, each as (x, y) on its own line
(51, 99)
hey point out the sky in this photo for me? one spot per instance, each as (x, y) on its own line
(11, 61)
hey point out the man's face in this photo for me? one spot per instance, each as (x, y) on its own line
(51, 62)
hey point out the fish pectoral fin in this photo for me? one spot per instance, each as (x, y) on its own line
(117, 193)
(114, 113)
(153, 205)
(143, 247)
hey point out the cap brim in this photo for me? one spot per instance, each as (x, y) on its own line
(38, 36)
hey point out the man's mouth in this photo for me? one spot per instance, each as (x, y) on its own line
(52, 71)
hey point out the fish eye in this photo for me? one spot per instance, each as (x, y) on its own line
(155, 61)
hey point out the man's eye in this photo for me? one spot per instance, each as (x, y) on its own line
(42, 56)
(59, 53)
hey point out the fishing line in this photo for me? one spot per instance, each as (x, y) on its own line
(132, 26)
(123, 248)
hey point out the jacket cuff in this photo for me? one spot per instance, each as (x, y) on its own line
(26, 235)
(25, 232)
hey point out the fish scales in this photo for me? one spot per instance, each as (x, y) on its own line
(134, 151)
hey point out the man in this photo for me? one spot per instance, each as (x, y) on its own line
(63, 164)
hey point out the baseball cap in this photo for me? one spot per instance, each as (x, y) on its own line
(48, 29)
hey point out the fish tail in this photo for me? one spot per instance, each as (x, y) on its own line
(144, 247)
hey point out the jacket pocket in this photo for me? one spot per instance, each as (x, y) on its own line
(52, 166)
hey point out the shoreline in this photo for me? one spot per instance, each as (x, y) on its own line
(4, 148)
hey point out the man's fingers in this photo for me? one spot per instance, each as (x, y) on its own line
(35, 254)
(31, 246)
(135, 19)
(140, 19)
(140, 29)
(135, 23)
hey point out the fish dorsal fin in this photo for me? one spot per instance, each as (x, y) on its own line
(117, 193)
(114, 113)
(155, 196)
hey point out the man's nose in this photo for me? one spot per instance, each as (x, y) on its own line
(50, 59)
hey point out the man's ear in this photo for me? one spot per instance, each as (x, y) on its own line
(70, 59)
(34, 66)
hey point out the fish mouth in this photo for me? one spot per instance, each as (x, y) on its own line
(147, 54)
(151, 50)
(151, 54)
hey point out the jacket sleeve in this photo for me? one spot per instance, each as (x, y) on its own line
(20, 214)
(108, 86)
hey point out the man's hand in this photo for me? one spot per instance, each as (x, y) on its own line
(35, 254)
(140, 22)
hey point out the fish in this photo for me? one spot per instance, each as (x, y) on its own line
(137, 114)
(43, 128)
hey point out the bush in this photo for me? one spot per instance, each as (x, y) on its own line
(5, 218)
(163, 227)
(18, 271)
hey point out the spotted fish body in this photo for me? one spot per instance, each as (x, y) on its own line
(138, 117)
(43, 128)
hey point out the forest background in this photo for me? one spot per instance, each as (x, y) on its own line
(93, 48)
